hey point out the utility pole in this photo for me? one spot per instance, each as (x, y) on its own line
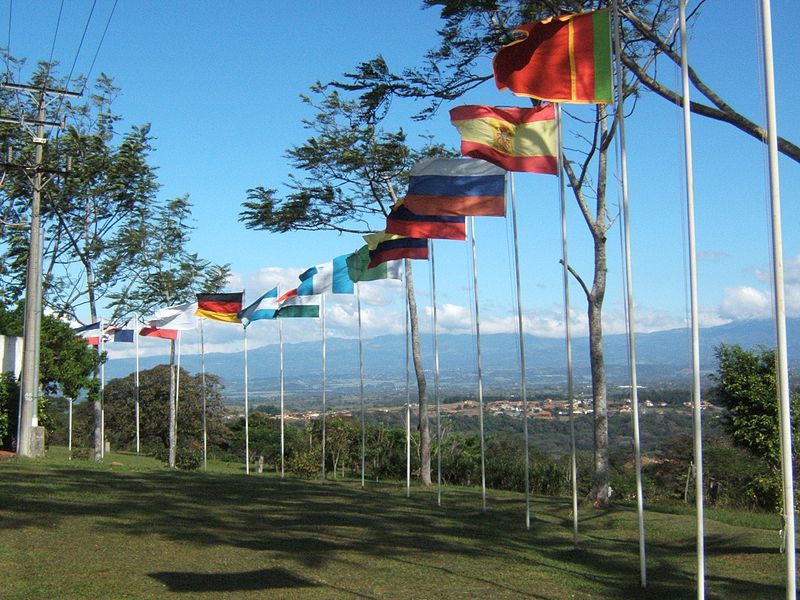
(30, 437)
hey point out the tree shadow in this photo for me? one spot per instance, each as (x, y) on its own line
(247, 581)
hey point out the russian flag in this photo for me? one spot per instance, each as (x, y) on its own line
(456, 187)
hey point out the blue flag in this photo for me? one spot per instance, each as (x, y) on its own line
(263, 308)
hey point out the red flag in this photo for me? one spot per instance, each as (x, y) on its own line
(167, 334)
(560, 59)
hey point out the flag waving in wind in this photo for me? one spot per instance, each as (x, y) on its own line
(403, 221)
(359, 269)
(220, 307)
(293, 305)
(561, 59)
(91, 333)
(331, 277)
(263, 308)
(384, 247)
(516, 139)
(456, 187)
(180, 317)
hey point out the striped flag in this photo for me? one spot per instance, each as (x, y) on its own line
(220, 307)
(332, 277)
(516, 139)
(561, 59)
(359, 269)
(456, 187)
(180, 317)
(90, 332)
(384, 247)
(119, 333)
(263, 308)
(402, 221)
(166, 334)
(292, 305)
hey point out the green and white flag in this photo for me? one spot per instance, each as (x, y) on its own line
(358, 267)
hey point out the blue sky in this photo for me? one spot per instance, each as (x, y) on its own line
(220, 83)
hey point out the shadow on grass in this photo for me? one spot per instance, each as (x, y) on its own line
(315, 525)
(248, 581)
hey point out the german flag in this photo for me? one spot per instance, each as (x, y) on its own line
(220, 307)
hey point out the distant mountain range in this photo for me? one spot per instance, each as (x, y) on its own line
(663, 358)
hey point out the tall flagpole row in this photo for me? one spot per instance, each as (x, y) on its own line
(136, 379)
(408, 386)
(567, 328)
(478, 360)
(324, 383)
(246, 409)
(361, 378)
(523, 383)
(203, 383)
(628, 278)
(782, 365)
(436, 380)
(283, 435)
(695, 324)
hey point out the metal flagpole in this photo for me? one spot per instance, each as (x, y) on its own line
(70, 428)
(436, 381)
(246, 409)
(324, 384)
(177, 389)
(784, 395)
(478, 359)
(361, 374)
(567, 327)
(283, 439)
(696, 397)
(136, 380)
(408, 391)
(523, 384)
(102, 390)
(203, 382)
(628, 279)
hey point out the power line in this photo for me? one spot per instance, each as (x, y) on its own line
(100, 44)
(53, 47)
(80, 45)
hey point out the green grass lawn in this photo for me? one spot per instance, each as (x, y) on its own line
(130, 528)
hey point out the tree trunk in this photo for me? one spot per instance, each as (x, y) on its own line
(424, 430)
(600, 487)
(97, 437)
(173, 413)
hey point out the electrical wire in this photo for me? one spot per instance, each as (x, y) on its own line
(53, 47)
(100, 44)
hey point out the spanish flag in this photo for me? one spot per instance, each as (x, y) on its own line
(561, 59)
(515, 139)
(220, 307)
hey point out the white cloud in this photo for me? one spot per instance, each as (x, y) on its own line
(745, 302)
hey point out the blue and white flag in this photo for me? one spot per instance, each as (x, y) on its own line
(263, 308)
(332, 277)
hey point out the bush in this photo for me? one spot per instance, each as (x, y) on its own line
(188, 459)
(305, 463)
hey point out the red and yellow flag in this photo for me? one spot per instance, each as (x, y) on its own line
(515, 139)
(560, 59)
(220, 307)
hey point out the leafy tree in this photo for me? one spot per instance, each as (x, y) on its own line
(66, 365)
(746, 385)
(352, 169)
(473, 32)
(107, 237)
(154, 393)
